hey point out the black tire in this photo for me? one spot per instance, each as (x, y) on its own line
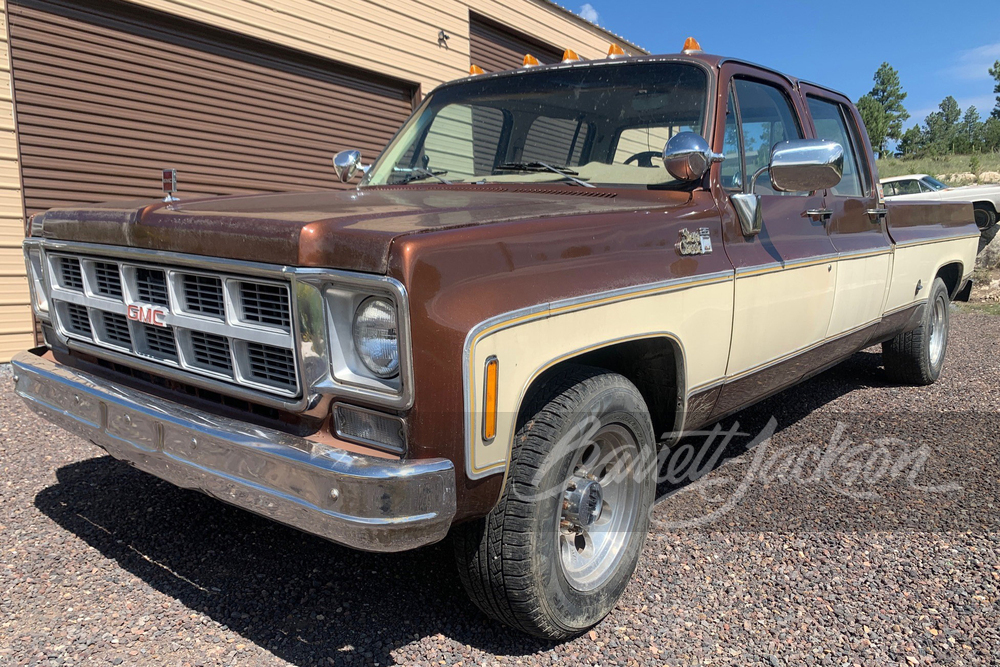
(510, 562)
(917, 357)
(986, 217)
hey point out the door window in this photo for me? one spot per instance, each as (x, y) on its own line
(766, 118)
(831, 124)
(732, 166)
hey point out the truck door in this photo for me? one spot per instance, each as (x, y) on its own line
(856, 223)
(786, 274)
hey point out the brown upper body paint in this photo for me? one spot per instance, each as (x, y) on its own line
(467, 253)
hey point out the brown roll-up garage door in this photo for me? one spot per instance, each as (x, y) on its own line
(107, 94)
(495, 48)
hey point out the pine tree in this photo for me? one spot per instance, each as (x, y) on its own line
(876, 122)
(888, 91)
(995, 73)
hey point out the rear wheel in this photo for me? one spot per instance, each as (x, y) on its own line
(917, 357)
(558, 550)
(986, 217)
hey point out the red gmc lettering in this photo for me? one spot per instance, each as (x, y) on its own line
(152, 316)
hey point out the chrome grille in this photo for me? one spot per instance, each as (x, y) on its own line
(107, 281)
(77, 319)
(271, 364)
(159, 342)
(212, 352)
(265, 304)
(177, 316)
(116, 329)
(151, 286)
(70, 275)
(203, 294)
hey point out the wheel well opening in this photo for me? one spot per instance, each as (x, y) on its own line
(653, 365)
(951, 274)
(988, 205)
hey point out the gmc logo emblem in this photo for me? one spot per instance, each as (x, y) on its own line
(147, 314)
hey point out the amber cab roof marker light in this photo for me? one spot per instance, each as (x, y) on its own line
(569, 56)
(530, 61)
(476, 69)
(615, 51)
(691, 45)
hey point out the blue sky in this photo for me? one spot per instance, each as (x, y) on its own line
(939, 48)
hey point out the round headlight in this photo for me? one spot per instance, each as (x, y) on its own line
(375, 336)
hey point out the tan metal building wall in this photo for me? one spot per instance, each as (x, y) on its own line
(394, 38)
(15, 312)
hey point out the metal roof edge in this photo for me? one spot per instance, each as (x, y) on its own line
(590, 24)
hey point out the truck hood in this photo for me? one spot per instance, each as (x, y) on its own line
(350, 230)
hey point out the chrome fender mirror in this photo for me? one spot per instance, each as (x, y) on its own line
(687, 156)
(347, 163)
(800, 165)
(805, 165)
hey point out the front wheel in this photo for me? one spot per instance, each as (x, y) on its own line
(556, 553)
(917, 357)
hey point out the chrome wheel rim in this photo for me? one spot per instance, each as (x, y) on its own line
(939, 331)
(600, 504)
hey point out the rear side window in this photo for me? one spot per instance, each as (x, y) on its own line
(766, 118)
(831, 124)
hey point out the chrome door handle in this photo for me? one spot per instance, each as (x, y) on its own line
(876, 214)
(821, 213)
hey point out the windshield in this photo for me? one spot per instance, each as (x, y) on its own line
(933, 183)
(597, 125)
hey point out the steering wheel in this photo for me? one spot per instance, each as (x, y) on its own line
(645, 158)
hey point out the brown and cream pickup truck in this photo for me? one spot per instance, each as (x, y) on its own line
(548, 274)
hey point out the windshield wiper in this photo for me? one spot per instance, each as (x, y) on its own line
(420, 173)
(565, 172)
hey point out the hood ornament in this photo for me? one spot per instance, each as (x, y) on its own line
(169, 181)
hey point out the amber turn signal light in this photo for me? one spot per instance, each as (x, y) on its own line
(569, 55)
(691, 44)
(490, 399)
(529, 61)
(615, 51)
(476, 69)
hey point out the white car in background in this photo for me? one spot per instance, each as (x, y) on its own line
(985, 198)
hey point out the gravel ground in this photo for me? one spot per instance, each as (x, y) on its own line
(863, 531)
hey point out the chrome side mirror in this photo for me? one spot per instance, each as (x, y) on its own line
(347, 163)
(805, 165)
(687, 156)
(800, 165)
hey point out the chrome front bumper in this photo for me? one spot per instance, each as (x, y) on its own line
(359, 501)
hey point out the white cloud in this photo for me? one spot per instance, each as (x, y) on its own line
(975, 63)
(588, 12)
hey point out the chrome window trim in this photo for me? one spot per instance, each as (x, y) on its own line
(308, 339)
